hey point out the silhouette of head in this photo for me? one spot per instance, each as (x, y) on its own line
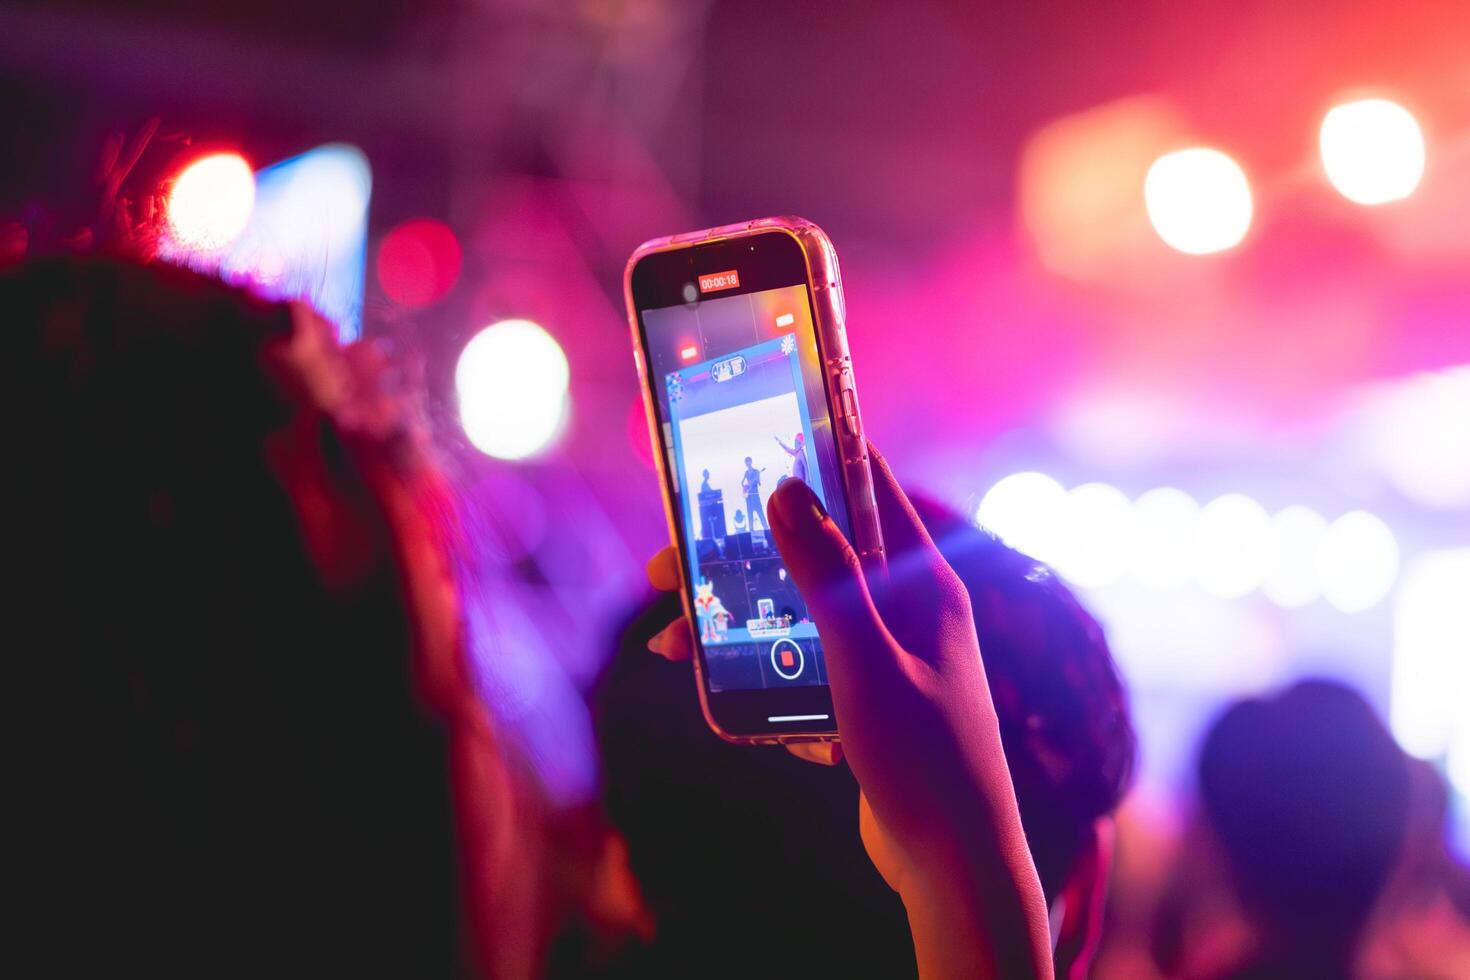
(1309, 796)
(218, 571)
(747, 461)
(800, 438)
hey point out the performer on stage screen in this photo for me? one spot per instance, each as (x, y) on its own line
(751, 485)
(797, 454)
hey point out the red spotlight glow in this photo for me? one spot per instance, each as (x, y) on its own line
(210, 202)
(419, 262)
(689, 353)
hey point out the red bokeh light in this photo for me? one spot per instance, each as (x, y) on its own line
(419, 262)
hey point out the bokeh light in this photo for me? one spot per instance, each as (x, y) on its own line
(419, 261)
(1430, 680)
(1457, 763)
(1296, 537)
(210, 203)
(1233, 548)
(1372, 151)
(1358, 561)
(1414, 431)
(1198, 200)
(512, 380)
(1030, 512)
(1102, 549)
(1165, 522)
(307, 236)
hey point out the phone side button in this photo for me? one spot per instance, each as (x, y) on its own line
(849, 413)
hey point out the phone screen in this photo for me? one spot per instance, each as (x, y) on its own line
(739, 387)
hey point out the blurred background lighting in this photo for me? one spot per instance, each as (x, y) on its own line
(1030, 512)
(1415, 432)
(1102, 549)
(1198, 200)
(1296, 536)
(1429, 688)
(307, 236)
(1458, 764)
(1165, 522)
(419, 262)
(1232, 551)
(512, 380)
(1357, 562)
(1372, 151)
(210, 203)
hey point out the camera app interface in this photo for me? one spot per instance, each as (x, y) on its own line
(743, 409)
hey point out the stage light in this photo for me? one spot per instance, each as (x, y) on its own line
(1165, 522)
(419, 261)
(328, 190)
(1198, 200)
(1233, 547)
(1415, 432)
(1031, 513)
(1372, 151)
(1429, 687)
(1296, 536)
(1102, 548)
(307, 236)
(210, 202)
(1358, 561)
(1457, 764)
(512, 380)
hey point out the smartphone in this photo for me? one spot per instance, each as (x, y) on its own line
(742, 354)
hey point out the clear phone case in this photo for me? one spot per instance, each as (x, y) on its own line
(829, 315)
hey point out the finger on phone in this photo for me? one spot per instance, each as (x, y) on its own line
(903, 532)
(830, 578)
(920, 588)
(663, 570)
(675, 642)
(822, 753)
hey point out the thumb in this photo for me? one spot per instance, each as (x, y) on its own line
(826, 570)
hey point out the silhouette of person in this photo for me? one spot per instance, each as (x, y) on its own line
(704, 487)
(751, 485)
(1308, 794)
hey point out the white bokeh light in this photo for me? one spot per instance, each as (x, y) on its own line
(210, 203)
(1414, 431)
(1429, 688)
(1102, 547)
(1198, 200)
(512, 380)
(1233, 548)
(1372, 151)
(1030, 512)
(1296, 537)
(1357, 562)
(1457, 765)
(1165, 522)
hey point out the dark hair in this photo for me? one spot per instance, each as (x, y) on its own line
(223, 766)
(1309, 795)
(1064, 719)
